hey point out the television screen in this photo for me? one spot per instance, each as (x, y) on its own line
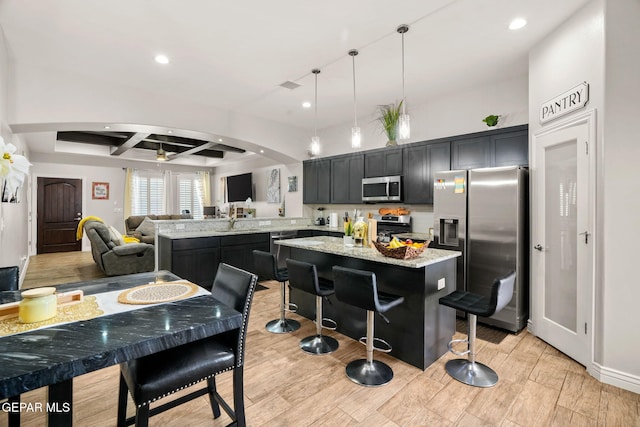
(239, 187)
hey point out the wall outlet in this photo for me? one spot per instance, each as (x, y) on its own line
(441, 283)
(180, 226)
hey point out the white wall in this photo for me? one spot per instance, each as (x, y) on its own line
(68, 166)
(260, 173)
(599, 45)
(451, 114)
(621, 203)
(14, 217)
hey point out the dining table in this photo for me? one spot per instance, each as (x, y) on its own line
(52, 356)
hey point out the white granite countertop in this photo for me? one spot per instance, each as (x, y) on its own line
(334, 245)
(234, 231)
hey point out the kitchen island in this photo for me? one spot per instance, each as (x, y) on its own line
(418, 329)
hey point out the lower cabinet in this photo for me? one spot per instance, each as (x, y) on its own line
(195, 259)
(237, 250)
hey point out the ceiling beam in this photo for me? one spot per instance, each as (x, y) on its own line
(191, 151)
(129, 143)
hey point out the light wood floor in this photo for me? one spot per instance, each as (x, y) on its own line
(284, 387)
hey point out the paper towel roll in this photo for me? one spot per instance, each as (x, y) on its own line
(333, 220)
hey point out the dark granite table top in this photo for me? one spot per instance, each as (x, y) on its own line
(58, 353)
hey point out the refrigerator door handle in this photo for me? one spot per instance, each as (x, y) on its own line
(538, 247)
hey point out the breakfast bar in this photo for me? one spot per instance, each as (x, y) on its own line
(418, 329)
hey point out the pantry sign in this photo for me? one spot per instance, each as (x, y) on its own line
(569, 101)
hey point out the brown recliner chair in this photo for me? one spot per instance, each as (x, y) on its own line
(133, 222)
(116, 259)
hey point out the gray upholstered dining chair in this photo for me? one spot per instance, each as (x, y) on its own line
(161, 374)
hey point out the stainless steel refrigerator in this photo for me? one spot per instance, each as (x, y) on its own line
(484, 213)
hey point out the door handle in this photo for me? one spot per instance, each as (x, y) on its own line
(538, 247)
(586, 235)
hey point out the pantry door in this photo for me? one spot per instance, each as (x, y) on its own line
(563, 211)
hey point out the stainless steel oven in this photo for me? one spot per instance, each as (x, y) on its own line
(388, 225)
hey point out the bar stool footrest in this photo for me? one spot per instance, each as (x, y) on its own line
(458, 353)
(332, 325)
(291, 308)
(386, 349)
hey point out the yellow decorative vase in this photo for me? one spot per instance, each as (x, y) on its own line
(37, 305)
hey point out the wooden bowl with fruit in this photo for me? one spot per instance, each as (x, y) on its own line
(401, 249)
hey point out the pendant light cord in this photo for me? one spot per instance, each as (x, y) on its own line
(315, 131)
(403, 29)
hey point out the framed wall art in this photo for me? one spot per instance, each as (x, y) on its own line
(100, 190)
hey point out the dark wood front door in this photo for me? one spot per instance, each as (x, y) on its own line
(59, 212)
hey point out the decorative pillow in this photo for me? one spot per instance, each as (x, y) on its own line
(147, 227)
(116, 237)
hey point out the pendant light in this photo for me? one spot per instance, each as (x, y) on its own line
(356, 135)
(161, 155)
(404, 125)
(315, 140)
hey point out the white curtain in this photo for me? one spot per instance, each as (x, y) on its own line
(128, 184)
(205, 179)
(170, 202)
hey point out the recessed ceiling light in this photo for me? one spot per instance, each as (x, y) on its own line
(306, 104)
(162, 59)
(219, 139)
(517, 23)
(107, 127)
(169, 131)
(261, 151)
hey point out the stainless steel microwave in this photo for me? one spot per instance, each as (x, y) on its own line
(382, 189)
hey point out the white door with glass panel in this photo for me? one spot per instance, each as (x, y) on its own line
(563, 244)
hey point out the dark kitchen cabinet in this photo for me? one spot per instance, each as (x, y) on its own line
(506, 147)
(194, 259)
(510, 149)
(346, 178)
(237, 249)
(421, 161)
(383, 162)
(316, 181)
(471, 153)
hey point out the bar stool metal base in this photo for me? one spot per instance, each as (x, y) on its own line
(369, 374)
(282, 326)
(471, 373)
(318, 344)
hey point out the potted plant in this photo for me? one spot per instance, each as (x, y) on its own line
(389, 116)
(348, 233)
(491, 120)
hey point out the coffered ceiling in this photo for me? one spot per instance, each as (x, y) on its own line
(235, 56)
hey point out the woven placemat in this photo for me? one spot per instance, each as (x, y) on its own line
(84, 310)
(154, 293)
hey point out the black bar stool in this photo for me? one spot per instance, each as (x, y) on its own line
(359, 288)
(304, 276)
(469, 371)
(266, 267)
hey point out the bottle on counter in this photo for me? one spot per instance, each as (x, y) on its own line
(360, 233)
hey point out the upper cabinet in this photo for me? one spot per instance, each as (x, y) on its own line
(421, 161)
(383, 162)
(346, 178)
(338, 179)
(506, 147)
(510, 149)
(316, 181)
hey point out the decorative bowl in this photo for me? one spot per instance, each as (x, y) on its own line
(404, 252)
